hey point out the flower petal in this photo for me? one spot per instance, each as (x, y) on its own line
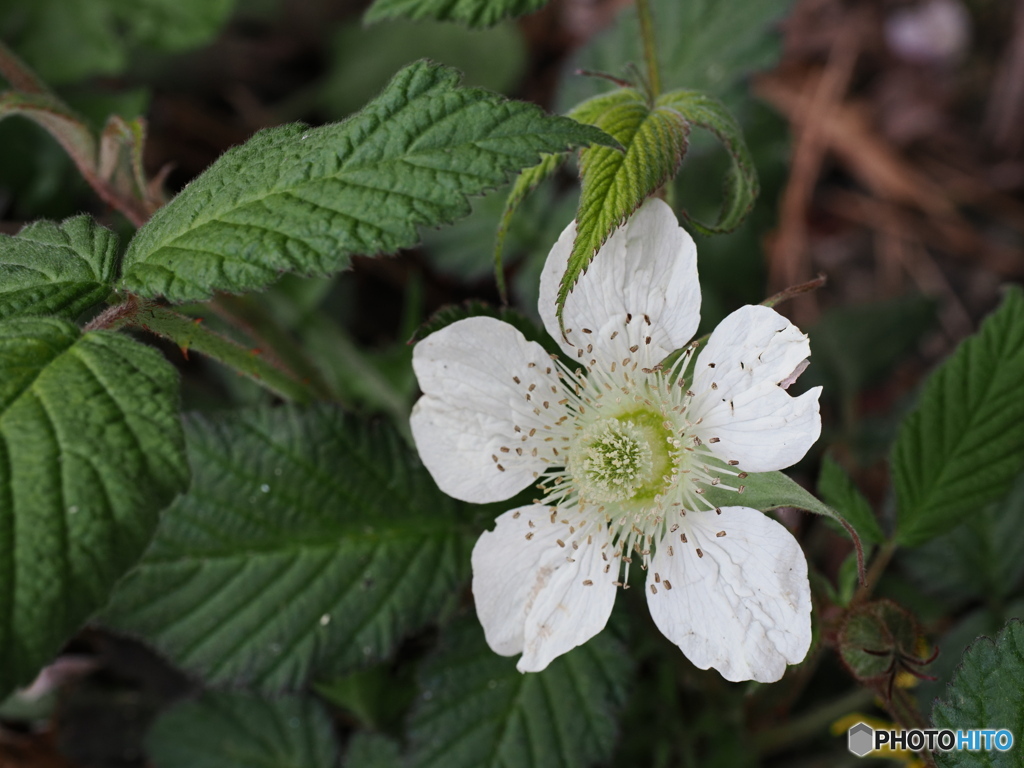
(529, 597)
(744, 607)
(740, 378)
(481, 379)
(647, 270)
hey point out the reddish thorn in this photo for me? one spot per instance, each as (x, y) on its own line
(184, 352)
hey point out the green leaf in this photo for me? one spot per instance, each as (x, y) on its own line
(616, 183)
(987, 692)
(766, 491)
(740, 187)
(964, 445)
(372, 750)
(56, 269)
(838, 490)
(222, 730)
(475, 13)
(704, 45)
(478, 711)
(91, 450)
(982, 558)
(309, 545)
(770, 490)
(304, 199)
(103, 33)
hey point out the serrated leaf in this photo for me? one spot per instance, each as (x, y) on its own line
(964, 445)
(616, 183)
(706, 45)
(234, 730)
(838, 490)
(475, 13)
(987, 692)
(91, 450)
(740, 186)
(306, 199)
(982, 558)
(478, 711)
(372, 750)
(56, 269)
(103, 33)
(309, 545)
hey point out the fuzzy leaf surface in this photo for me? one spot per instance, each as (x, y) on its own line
(91, 450)
(56, 269)
(987, 692)
(478, 711)
(236, 730)
(474, 13)
(964, 445)
(309, 545)
(304, 200)
(740, 187)
(616, 183)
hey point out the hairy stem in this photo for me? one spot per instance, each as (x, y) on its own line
(190, 334)
(643, 11)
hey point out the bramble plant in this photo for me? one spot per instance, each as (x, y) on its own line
(343, 571)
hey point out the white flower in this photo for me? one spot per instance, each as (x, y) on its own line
(623, 453)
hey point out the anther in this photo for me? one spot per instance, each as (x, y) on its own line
(699, 553)
(714, 440)
(500, 468)
(711, 365)
(633, 349)
(588, 583)
(713, 385)
(720, 534)
(668, 584)
(647, 319)
(516, 380)
(682, 537)
(654, 590)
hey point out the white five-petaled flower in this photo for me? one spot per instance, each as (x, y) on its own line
(623, 452)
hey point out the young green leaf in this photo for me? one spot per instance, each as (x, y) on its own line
(306, 199)
(310, 544)
(478, 711)
(475, 13)
(616, 183)
(56, 269)
(236, 730)
(741, 187)
(838, 490)
(987, 692)
(964, 445)
(91, 449)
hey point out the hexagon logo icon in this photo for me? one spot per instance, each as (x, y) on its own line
(860, 739)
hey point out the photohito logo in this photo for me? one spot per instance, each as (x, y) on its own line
(862, 739)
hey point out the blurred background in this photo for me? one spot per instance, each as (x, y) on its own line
(887, 135)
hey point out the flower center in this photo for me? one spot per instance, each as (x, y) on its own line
(610, 461)
(620, 458)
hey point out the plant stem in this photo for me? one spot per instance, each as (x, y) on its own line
(643, 11)
(878, 566)
(189, 333)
